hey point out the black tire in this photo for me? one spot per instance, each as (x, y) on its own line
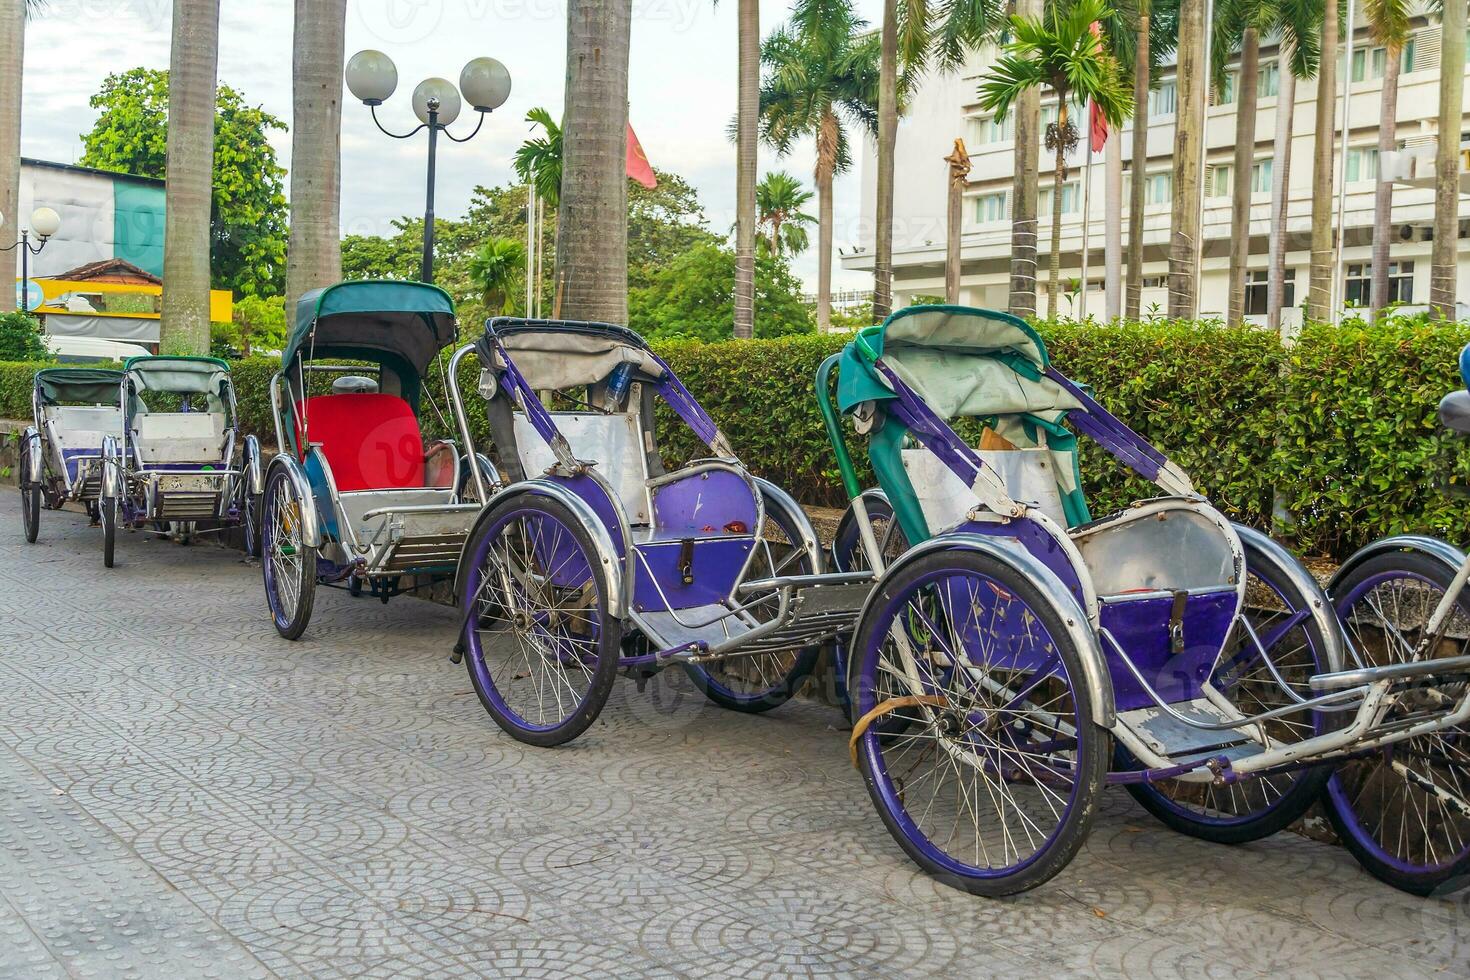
(107, 510)
(30, 496)
(250, 505)
(288, 567)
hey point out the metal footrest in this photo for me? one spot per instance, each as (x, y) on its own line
(1180, 741)
(1444, 670)
(810, 610)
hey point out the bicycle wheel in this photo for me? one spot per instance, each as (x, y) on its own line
(848, 555)
(288, 562)
(107, 511)
(30, 496)
(1385, 807)
(994, 783)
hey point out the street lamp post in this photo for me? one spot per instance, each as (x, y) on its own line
(45, 223)
(485, 83)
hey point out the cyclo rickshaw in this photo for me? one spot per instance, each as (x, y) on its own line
(1017, 655)
(595, 559)
(72, 409)
(355, 498)
(178, 466)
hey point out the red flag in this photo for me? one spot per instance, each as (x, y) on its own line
(639, 168)
(1099, 124)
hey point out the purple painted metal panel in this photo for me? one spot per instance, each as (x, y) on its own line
(716, 563)
(1141, 627)
(602, 505)
(73, 458)
(704, 502)
(1042, 546)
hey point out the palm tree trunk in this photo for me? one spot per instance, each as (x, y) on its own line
(887, 139)
(826, 163)
(1383, 191)
(1022, 300)
(592, 218)
(1139, 164)
(1280, 181)
(314, 257)
(12, 57)
(1245, 158)
(1054, 288)
(193, 60)
(1188, 131)
(1442, 265)
(1319, 296)
(747, 124)
(1113, 226)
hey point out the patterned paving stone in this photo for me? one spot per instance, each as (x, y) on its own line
(184, 794)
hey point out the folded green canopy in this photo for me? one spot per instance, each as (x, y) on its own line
(398, 324)
(78, 386)
(182, 375)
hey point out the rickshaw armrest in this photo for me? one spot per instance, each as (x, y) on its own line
(1432, 669)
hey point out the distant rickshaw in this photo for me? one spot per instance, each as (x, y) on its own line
(72, 411)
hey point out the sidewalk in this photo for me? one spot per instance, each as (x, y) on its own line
(185, 794)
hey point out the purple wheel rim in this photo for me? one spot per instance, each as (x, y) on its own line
(876, 747)
(551, 538)
(1338, 793)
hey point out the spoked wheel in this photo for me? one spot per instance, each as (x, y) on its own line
(848, 555)
(107, 508)
(542, 649)
(763, 681)
(288, 562)
(1279, 616)
(250, 507)
(993, 783)
(30, 496)
(1391, 808)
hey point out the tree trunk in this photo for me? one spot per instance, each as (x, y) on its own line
(1113, 226)
(887, 139)
(1139, 164)
(959, 171)
(1023, 189)
(193, 59)
(1319, 296)
(1245, 158)
(1442, 265)
(1059, 177)
(592, 217)
(1188, 131)
(1383, 190)
(747, 132)
(827, 136)
(314, 257)
(12, 57)
(1280, 181)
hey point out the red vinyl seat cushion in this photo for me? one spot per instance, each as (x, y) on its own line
(371, 441)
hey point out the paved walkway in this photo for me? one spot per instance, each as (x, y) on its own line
(183, 794)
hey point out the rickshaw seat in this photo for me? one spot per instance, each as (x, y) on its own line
(371, 441)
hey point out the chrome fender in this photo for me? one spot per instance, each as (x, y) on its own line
(1096, 680)
(112, 475)
(1261, 546)
(607, 554)
(30, 443)
(784, 502)
(311, 523)
(1433, 547)
(254, 468)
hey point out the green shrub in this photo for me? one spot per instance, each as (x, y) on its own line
(20, 338)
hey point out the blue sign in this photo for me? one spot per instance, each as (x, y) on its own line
(28, 295)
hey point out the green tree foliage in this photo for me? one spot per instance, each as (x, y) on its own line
(20, 338)
(538, 159)
(259, 325)
(496, 269)
(780, 224)
(248, 242)
(663, 224)
(694, 297)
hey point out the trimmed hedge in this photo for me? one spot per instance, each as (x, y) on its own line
(1341, 425)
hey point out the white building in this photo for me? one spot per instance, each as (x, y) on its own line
(945, 107)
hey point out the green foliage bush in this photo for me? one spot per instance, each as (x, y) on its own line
(20, 338)
(1341, 425)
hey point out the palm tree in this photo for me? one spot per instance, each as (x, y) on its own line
(1388, 21)
(494, 269)
(780, 223)
(1442, 268)
(592, 217)
(1298, 52)
(1189, 130)
(314, 257)
(1060, 51)
(537, 161)
(193, 60)
(1024, 219)
(1240, 22)
(1319, 294)
(821, 71)
(13, 14)
(747, 100)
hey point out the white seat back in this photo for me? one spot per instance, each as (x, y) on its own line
(614, 442)
(82, 426)
(179, 437)
(945, 500)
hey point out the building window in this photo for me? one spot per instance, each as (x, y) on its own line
(1219, 182)
(1268, 81)
(987, 129)
(1071, 199)
(1256, 291)
(1155, 282)
(1358, 286)
(1158, 188)
(1406, 59)
(1261, 176)
(1362, 163)
(992, 207)
(1369, 63)
(1162, 100)
(1224, 93)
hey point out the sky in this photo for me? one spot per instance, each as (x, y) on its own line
(681, 92)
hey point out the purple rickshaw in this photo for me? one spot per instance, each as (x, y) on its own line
(1017, 655)
(72, 410)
